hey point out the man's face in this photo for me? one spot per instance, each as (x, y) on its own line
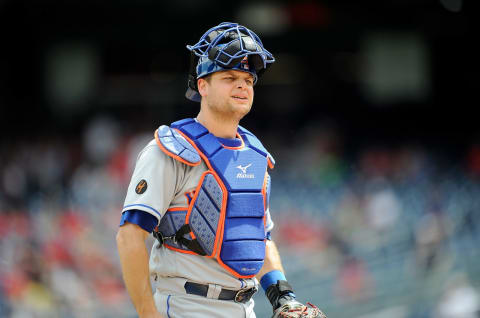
(228, 93)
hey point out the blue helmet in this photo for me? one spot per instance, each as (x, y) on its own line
(228, 46)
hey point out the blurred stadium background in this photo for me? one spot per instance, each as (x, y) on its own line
(369, 112)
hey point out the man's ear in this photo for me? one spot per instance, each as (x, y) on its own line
(202, 86)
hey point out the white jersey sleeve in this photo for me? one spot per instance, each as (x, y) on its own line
(153, 184)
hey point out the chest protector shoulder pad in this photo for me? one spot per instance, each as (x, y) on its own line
(225, 218)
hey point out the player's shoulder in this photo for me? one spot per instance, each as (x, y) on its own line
(175, 145)
(151, 151)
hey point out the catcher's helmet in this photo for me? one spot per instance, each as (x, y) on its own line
(228, 46)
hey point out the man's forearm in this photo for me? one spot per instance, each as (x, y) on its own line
(134, 260)
(272, 260)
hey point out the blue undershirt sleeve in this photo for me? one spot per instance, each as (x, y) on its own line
(143, 219)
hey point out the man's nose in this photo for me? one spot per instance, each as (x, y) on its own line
(241, 83)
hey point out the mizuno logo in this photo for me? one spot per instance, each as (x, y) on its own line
(244, 174)
(244, 169)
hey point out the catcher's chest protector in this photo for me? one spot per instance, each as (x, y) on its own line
(226, 214)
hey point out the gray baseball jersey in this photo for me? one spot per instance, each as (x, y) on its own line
(165, 184)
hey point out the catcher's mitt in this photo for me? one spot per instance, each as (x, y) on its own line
(294, 309)
(285, 305)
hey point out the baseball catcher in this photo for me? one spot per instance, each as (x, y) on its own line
(201, 187)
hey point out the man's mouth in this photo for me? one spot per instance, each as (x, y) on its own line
(240, 97)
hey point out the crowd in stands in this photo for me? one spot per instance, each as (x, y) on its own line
(386, 232)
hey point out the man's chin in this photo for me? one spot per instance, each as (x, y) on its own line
(233, 110)
(240, 110)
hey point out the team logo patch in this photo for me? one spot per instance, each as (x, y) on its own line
(244, 64)
(141, 187)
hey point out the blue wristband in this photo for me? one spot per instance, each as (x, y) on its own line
(271, 278)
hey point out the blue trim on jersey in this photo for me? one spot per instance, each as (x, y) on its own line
(235, 142)
(141, 218)
(145, 206)
(168, 306)
(271, 278)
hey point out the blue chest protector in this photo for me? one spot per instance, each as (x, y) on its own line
(225, 218)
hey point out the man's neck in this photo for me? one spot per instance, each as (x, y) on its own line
(220, 127)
